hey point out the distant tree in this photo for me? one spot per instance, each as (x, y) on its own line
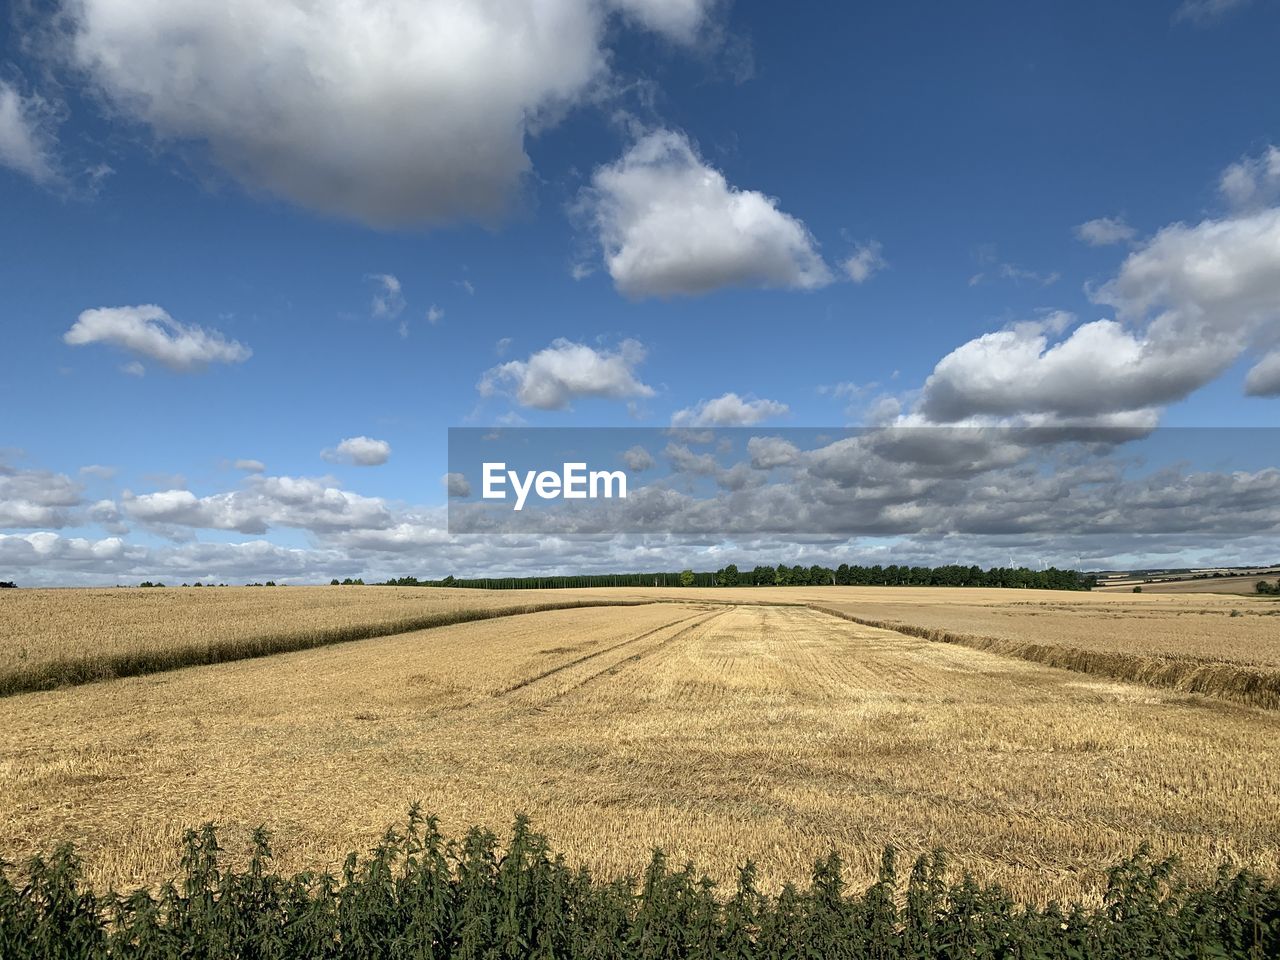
(7, 585)
(727, 576)
(687, 578)
(334, 582)
(1137, 589)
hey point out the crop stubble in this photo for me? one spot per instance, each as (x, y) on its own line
(718, 732)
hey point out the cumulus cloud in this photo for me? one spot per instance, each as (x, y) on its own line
(98, 471)
(360, 451)
(1105, 231)
(670, 224)
(263, 503)
(1188, 303)
(27, 135)
(457, 485)
(769, 452)
(866, 261)
(1252, 181)
(941, 489)
(638, 459)
(728, 410)
(389, 112)
(36, 498)
(106, 514)
(149, 331)
(551, 378)
(678, 20)
(388, 298)
(1264, 379)
(250, 466)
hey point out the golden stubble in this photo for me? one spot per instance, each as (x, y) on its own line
(719, 732)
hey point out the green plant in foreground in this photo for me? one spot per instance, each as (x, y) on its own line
(417, 895)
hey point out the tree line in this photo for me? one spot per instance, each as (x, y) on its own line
(782, 575)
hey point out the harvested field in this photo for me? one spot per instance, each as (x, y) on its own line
(719, 732)
(1219, 646)
(52, 638)
(1246, 585)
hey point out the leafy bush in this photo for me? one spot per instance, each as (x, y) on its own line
(416, 895)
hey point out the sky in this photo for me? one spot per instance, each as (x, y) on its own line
(256, 259)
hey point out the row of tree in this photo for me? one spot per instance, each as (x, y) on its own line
(893, 575)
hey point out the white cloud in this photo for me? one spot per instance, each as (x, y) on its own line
(133, 369)
(434, 314)
(1203, 11)
(388, 299)
(551, 378)
(502, 346)
(263, 503)
(150, 331)
(250, 466)
(36, 498)
(98, 471)
(638, 459)
(866, 261)
(1264, 379)
(360, 451)
(389, 112)
(456, 485)
(729, 410)
(1252, 181)
(1188, 303)
(679, 20)
(670, 224)
(1105, 231)
(769, 452)
(106, 514)
(27, 135)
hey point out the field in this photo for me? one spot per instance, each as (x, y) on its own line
(719, 728)
(50, 638)
(1247, 585)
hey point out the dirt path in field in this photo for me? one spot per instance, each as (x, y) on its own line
(717, 732)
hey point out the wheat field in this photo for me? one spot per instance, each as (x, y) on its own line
(56, 637)
(717, 731)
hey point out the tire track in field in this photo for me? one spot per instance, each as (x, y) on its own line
(625, 662)
(578, 661)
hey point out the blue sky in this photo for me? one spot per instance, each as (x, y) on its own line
(379, 220)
